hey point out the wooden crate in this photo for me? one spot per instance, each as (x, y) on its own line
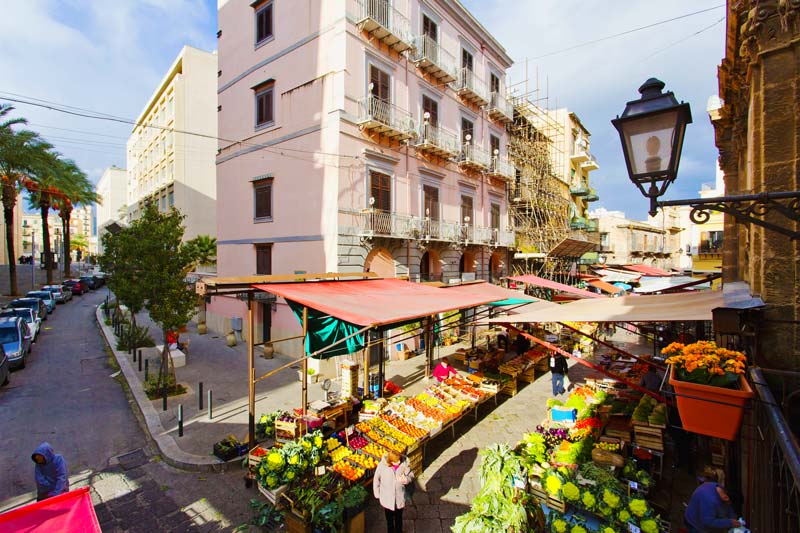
(415, 461)
(556, 504)
(254, 460)
(510, 388)
(272, 495)
(286, 431)
(295, 524)
(528, 376)
(355, 524)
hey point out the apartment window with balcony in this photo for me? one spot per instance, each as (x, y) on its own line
(495, 216)
(467, 129)
(263, 23)
(430, 106)
(379, 83)
(429, 28)
(494, 144)
(467, 61)
(380, 189)
(263, 259)
(710, 242)
(467, 210)
(431, 201)
(494, 83)
(262, 200)
(265, 113)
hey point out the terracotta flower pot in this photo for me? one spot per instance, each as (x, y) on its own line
(712, 411)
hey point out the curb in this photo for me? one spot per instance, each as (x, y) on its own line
(149, 419)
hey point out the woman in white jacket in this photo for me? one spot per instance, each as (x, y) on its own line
(389, 484)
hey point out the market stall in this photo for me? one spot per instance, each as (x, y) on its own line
(72, 511)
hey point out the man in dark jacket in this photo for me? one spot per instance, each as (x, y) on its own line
(558, 369)
(50, 471)
(709, 510)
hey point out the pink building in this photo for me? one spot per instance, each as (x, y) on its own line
(365, 135)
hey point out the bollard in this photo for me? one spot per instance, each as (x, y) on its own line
(134, 355)
(145, 369)
(164, 396)
(210, 409)
(200, 397)
(180, 420)
(140, 360)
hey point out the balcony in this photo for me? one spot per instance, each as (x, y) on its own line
(580, 154)
(579, 190)
(593, 225)
(370, 223)
(590, 164)
(437, 141)
(433, 60)
(500, 109)
(471, 88)
(474, 158)
(379, 116)
(592, 196)
(502, 169)
(385, 24)
(578, 223)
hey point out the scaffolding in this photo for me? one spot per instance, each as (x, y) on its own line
(540, 201)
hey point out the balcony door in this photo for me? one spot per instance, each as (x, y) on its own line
(467, 216)
(494, 83)
(430, 39)
(430, 201)
(430, 106)
(467, 68)
(467, 129)
(380, 91)
(380, 189)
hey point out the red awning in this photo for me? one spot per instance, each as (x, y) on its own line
(71, 511)
(605, 287)
(376, 302)
(546, 283)
(490, 291)
(647, 270)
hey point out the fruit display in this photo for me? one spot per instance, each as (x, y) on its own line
(464, 387)
(356, 443)
(385, 442)
(340, 453)
(433, 412)
(390, 431)
(515, 366)
(348, 470)
(410, 430)
(608, 446)
(375, 450)
(364, 461)
(647, 407)
(332, 444)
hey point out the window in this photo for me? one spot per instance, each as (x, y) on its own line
(262, 200)
(494, 144)
(263, 23)
(495, 216)
(380, 188)
(163, 203)
(467, 127)
(379, 83)
(264, 259)
(171, 198)
(430, 29)
(264, 107)
(466, 210)
(466, 60)
(494, 83)
(430, 106)
(431, 201)
(710, 242)
(604, 240)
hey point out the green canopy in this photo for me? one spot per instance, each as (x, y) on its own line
(510, 301)
(324, 330)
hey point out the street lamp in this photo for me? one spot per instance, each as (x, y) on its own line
(651, 130)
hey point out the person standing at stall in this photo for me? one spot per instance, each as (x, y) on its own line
(389, 486)
(558, 371)
(443, 370)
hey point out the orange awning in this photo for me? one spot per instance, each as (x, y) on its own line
(378, 302)
(605, 287)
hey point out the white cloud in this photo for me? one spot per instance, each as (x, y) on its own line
(597, 80)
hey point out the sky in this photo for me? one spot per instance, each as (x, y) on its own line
(109, 56)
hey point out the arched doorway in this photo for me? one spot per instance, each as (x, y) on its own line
(496, 265)
(381, 262)
(430, 266)
(467, 263)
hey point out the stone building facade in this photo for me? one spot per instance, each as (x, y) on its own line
(758, 136)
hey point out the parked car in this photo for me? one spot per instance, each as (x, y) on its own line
(5, 367)
(30, 316)
(16, 340)
(99, 279)
(89, 282)
(31, 303)
(76, 286)
(60, 293)
(46, 296)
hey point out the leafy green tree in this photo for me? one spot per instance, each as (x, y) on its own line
(203, 249)
(158, 264)
(45, 189)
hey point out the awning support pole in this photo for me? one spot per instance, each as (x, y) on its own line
(366, 372)
(607, 345)
(428, 337)
(251, 375)
(600, 369)
(305, 362)
(381, 362)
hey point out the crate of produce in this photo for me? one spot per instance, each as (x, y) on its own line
(296, 524)
(272, 495)
(287, 428)
(255, 456)
(510, 388)
(556, 504)
(529, 375)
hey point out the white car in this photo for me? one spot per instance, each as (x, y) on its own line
(29, 316)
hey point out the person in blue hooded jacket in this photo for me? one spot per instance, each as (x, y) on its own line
(50, 471)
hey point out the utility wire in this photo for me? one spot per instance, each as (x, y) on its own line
(679, 41)
(627, 32)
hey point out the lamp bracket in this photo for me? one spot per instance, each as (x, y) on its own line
(747, 208)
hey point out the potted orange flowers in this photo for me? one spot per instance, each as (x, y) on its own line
(710, 387)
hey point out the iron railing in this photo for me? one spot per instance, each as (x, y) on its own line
(428, 50)
(499, 103)
(475, 155)
(501, 167)
(469, 81)
(382, 12)
(443, 140)
(770, 464)
(374, 109)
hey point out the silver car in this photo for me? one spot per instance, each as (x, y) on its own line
(30, 316)
(16, 340)
(59, 293)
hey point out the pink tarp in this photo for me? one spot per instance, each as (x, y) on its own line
(546, 283)
(71, 512)
(648, 270)
(377, 302)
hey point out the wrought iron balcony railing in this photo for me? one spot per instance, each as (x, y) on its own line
(578, 223)
(500, 108)
(431, 58)
(437, 141)
(385, 118)
(590, 163)
(386, 24)
(501, 168)
(579, 190)
(474, 157)
(471, 88)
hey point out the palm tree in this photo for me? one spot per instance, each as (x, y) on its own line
(203, 249)
(19, 153)
(77, 190)
(44, 188)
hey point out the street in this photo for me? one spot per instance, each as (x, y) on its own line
(67, 397)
